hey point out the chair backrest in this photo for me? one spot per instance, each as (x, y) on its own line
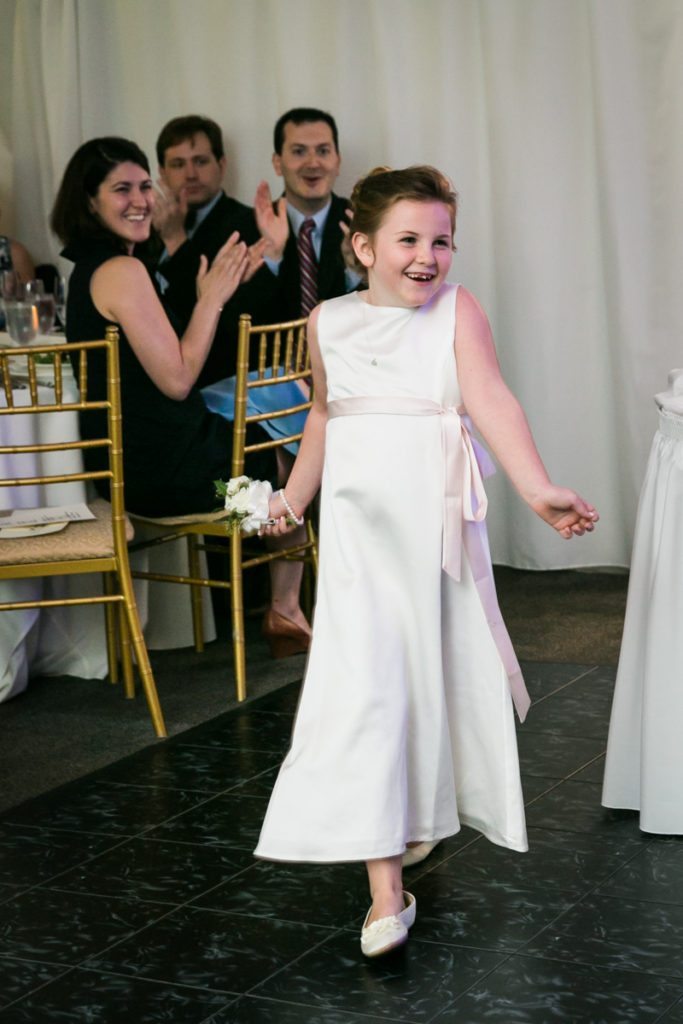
(23, 372)
(282, 362)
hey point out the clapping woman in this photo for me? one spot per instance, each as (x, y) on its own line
(173, 447)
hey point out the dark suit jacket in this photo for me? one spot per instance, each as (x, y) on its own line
(255, 297)
(331, 276)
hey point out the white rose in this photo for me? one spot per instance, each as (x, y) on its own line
(236, 484)
(258, 500)
(240, 502)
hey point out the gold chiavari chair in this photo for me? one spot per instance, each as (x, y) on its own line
(91, 546)
(281, 356)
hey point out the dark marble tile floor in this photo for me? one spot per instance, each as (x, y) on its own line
(132, 895)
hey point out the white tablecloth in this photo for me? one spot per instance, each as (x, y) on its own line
(71, 641)
(644, 765)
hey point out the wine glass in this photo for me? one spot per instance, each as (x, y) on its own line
(45, 304)
(9, 284)
(32, 290)
(22, 321)
(60, 300)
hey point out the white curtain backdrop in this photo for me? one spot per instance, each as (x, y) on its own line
(559, 121)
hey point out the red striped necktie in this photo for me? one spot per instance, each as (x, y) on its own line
(308, 267)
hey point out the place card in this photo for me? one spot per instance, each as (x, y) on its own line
(41, 516)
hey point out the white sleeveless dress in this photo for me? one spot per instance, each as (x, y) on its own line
(405, 725)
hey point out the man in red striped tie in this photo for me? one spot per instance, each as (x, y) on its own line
(306, 231)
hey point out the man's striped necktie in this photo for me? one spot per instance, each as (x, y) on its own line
(308, 267)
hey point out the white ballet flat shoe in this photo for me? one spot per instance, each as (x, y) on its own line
(389, 932)
(416, 854)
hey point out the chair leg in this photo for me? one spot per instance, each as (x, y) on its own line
(195, 593)
(126, 655)
(141, 656)
(110, 630)
(237, 610)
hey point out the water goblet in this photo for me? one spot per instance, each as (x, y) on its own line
(45, 304)
(31, 290)
(60, 300)
(9, 284)
(22, 321)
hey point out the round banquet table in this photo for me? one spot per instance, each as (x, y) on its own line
(71, 640)
(644, 764)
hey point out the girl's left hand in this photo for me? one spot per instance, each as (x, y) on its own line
(278, 512)
(565, 511)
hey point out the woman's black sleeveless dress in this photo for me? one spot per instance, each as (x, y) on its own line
(172, 450)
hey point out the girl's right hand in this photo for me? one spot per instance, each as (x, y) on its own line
(221, 280)
(278, 514)
(565, 511)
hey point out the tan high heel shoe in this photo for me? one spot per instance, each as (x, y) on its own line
(284, 636)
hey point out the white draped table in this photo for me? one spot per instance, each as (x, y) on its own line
(71, 640)
(644, 765)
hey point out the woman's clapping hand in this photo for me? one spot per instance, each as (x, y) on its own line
(221, 280)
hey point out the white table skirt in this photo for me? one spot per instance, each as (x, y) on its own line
(71, 640)
(46, 641)
(644, 765)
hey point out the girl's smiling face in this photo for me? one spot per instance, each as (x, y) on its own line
(124, 202)
(410, 254)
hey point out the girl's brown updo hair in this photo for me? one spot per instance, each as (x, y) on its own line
(374, 194)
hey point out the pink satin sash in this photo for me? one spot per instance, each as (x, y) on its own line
(465, 506)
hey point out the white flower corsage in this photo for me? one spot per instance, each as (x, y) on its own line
(246, 502)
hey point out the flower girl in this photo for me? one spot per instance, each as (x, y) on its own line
(405, 727)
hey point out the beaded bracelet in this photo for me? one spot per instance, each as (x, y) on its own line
(299, 520)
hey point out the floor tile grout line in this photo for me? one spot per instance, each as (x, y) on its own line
(586, 765)
(678, 1000)
(91, 970)
(620, 897)
(557, 782)
(187, 904)
(564, 779)
(229, 994)
(563, 686)
(6, 815)
(353, 1014)
(191, 903)
(46, 882)
(592, 890)
(675, 979)
(477, 981)
(549, 924)
(26, 995)
(565, 828)
(213, 1016)
(334, 932)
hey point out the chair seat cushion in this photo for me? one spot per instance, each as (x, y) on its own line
(187, 520)
(90, 538)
